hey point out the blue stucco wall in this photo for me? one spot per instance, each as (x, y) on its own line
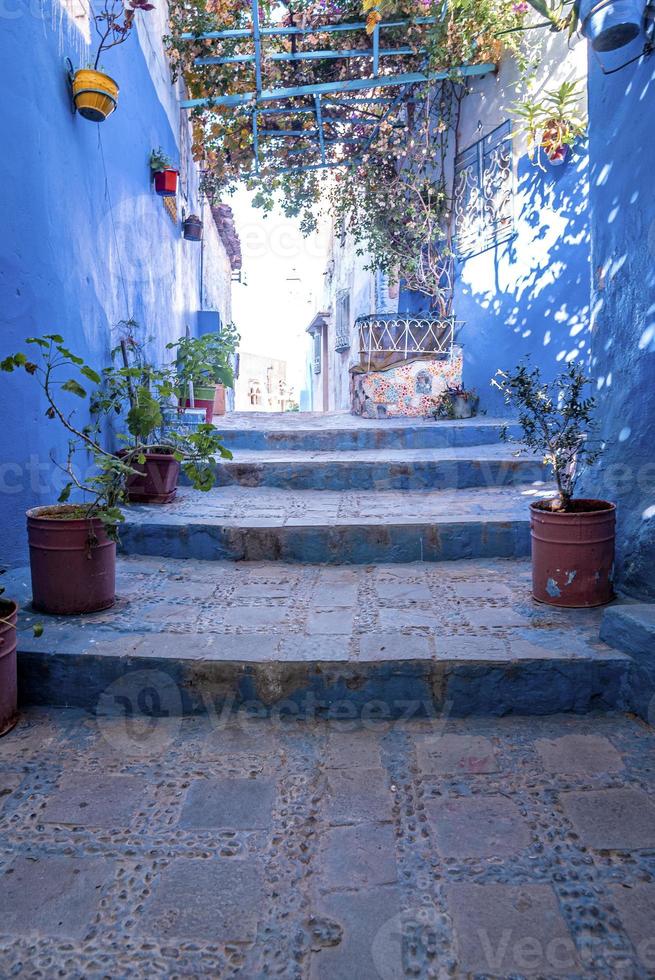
(622, 207)
(85, 241)
(529, 295)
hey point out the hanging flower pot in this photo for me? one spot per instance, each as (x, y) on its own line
(94, 93)
(166, 182)
(554, 142)
(611, 24)
(8, 683)
(193, 228)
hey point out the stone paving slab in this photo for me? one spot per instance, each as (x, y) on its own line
(164, 894)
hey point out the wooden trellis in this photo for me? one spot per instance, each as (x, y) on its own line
(369, 101)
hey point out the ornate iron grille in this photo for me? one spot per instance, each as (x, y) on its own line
(484, 214)
(389, 338)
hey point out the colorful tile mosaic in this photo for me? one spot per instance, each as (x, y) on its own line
(408, 389)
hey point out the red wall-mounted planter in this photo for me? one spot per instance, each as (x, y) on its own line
(166, 182)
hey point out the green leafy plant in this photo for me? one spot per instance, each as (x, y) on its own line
(556, 419)
(160, 161)
(554, 120)
(444, 404)
(205, 360)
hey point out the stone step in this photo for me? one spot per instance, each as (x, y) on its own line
(333, 432)
(388, 469)
(324, 526)
(374, 641)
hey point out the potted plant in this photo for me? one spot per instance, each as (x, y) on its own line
(553, 124)
(164, 174)
(202, 364)
(8, 665)
(456, 402)
(192, 227)
(73, 544)
(95, 94)
(572, 538)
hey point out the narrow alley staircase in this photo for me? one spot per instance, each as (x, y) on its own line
(340, 563)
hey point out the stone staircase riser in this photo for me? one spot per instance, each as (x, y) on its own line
(293, 690)
(318, 475)
(438, 436)
(346, 544)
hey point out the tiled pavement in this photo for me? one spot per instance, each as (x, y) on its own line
(193, 848)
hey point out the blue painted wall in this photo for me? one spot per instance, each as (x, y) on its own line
(85, 242)
(622, 205)
(530, 294)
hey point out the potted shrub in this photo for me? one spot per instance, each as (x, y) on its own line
(164, 174)
(572, 538)
(95, 94)
(456, 402)
(73, 544)
(192, 227)
(202, 364)
(553, 124)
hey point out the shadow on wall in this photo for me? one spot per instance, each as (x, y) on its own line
(622, 207)
(531, 294)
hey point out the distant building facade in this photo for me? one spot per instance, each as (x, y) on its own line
(262, 385)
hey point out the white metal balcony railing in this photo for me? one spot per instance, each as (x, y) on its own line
(388, 338)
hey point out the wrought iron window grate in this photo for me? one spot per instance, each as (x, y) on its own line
(484, 205)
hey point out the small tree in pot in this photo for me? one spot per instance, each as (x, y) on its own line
(572, 538)
(73, 545)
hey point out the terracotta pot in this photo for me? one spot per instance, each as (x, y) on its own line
(219, 400)
(204, 396)
(73, 562)
(157, 482)
(8, 683)
(573, 553)
(166, 182)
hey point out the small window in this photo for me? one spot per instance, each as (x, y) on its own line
(342, 340)
(484, 207)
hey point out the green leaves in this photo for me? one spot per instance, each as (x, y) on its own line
(145, 414)
(74, 387)
(92, 375)
(37, 630)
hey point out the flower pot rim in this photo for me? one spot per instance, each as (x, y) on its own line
(596, 506)
(167, 454)
(166, 170)
(96, 72)
(37, 514)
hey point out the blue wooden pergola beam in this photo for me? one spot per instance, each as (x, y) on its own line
(296, 31)
(258, 44)
(319, 123)
(330, 88)
(375, 54)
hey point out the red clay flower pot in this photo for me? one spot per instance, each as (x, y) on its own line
(8, 683)
(573, 553)
(166, 182)
(157, 480)
(73, 561)
(207, 404)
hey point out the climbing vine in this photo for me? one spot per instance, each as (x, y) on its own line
(396, 200)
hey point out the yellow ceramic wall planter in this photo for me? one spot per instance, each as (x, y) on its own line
(95, 94)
